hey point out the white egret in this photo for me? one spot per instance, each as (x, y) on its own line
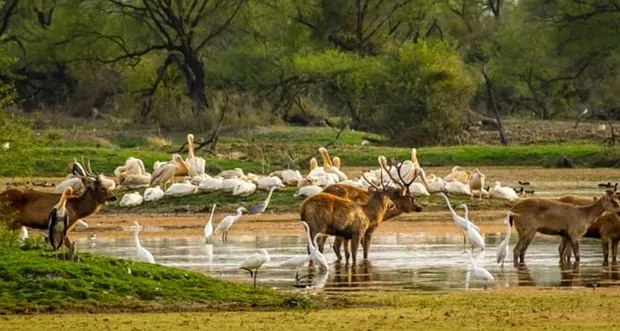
(479, 272)
(460, 222)
(504, 247)
(227, 222)
(475, 238)
(254, 262)
(209, 226)
(142, 253)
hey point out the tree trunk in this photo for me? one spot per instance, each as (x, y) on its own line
(491, 103)
(196, 84)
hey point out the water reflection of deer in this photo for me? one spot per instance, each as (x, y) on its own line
(356, 276)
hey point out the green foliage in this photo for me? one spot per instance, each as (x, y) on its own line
(33, 280)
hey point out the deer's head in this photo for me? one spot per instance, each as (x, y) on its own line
(100, 193)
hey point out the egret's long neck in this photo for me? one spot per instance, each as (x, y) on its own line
(449, 206)
(310, 243)
(269, 196)
(212, 211)
(136, 239)
(466, 213)
(508, 231)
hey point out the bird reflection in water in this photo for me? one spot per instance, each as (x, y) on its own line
(360, 275)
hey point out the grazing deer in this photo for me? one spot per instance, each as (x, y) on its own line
(27, 207)
(606, 228)
(557, 218)
(329, 214)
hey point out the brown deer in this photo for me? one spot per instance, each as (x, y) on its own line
(403, 201)
(557, 218)
(329, 214)
(27, 207)
(606, 228)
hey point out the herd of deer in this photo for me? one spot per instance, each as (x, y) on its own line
(353, 214)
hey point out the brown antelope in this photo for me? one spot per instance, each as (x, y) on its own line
(329, 214)
(557, 218)
(606, 228)
(27, 207)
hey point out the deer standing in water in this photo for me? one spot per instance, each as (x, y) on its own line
(557, 218)
(27, 207)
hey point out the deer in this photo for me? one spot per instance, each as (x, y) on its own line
(403, 201)
(533, 215)
(27, 207)
(605, 227)
(333, 215)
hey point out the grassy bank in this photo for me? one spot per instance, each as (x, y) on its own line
(473, 310)
(271, 148)
(33, 281)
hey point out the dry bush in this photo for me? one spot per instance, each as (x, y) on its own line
(155, 142)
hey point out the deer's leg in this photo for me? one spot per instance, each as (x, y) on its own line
(605, 245)
(355, 242)
(564, 249)
(336, 247)
(614, 250)
(524, 241)
(321, 243)
(575, 243)
(367, 241)
(347, 250)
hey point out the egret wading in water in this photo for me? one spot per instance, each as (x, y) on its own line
(58, 221)
(142, 253)
(209, 226)
(504, 247)
(460, 221)
(478, 272)
(254, 262)
(227, 222)
(475, 238)
(260, 207)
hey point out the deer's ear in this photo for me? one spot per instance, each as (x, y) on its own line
(86, 181)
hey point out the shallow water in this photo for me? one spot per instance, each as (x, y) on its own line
(405, 261)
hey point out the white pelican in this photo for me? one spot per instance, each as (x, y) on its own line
(165, 173)
(329, 168)
(23, 234)
(308, 191)
(458, 174)
(196, 164)
(181, 189)
(315, 171)
(158, 164)
(475, 238)
(418, 189)
(291, 177)
(211, 185)
(476, 182)
(503, 192)
(134, 181)
(435, 184)
(58, 221)
(414, 158)
(132, 166)
(198, 179)
(183, 168)
(254, 262)
(74, 183)
(354, 183)
(244, 189)
(153, 193)
(480, 272)
(504, 247)
(131, 200)
(266, 183)
(457, 188)
(227, 222)
(234, 173)
(142, 253)
(228, 185)
(209, 226)
(462, 223)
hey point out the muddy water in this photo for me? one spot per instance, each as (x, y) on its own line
(398, 261)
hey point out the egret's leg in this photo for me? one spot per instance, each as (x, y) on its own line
(223, 236)
(255, 273)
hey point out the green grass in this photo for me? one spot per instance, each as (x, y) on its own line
(522, 309)
(32, 280)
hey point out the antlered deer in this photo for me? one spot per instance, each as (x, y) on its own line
(606, 228)
(336, 216)
(27, 207)
(403, 201)
(557, 218)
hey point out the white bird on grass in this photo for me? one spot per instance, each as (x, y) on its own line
(23, 235)
(209, 226)
(254, 262)
(131, 200)
(504, 247)
(142, 253)
(460, 222)
(503, 192)
(153, 193)
(308, 191)
(478, 272)
(227, 222)
(475, 238)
